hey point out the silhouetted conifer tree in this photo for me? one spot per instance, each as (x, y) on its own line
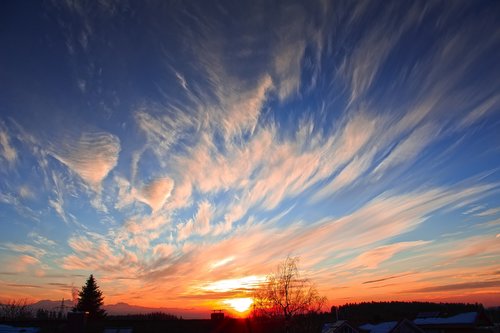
(90, 299)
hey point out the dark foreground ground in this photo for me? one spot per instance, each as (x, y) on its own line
(356, 314)
(227, 325)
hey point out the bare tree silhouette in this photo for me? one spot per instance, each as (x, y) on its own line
(287, 294)
(15, 310)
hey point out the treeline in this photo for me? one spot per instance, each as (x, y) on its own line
(21, 309)
(16, 310)
(145, 316)
(375, 312)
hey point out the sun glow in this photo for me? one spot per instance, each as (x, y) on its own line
(240, 304)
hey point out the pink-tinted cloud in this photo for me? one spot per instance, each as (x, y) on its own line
(27, 249)
(156, 193)
(92, 156)
(371, 259)
(199, 224)
(240, 111)
(23, 263)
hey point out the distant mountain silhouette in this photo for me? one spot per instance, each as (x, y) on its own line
(52, 305)
(124, 309)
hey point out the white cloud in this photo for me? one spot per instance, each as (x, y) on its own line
(473, 209)
(7, 151)
(25, 192)
(24, 248)
(59, 189)
(489, 212)
(163, 127)
(480, 111)
(409, 149)
(181, 79)
(363, 64)
(92, 156)
(351, 172)
(219, 263)
(41, 240)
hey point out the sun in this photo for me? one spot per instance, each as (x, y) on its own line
(240, 304)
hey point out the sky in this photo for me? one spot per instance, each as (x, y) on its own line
(180, 150)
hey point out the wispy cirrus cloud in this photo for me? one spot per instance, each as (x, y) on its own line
(389, 216)
(241, 110)
(480, 111)
(199, 224)
(22, 209)
(41, 240)
(489, 212)
(156, 192)
(476, 246)
(295, 32)
(372, 258)
(25, 192)
(460, 286)
(163, 128)
(98, 253)
(409, 148)
(92, 156)
(7, 151)
(386, 278)
(27, 249)
(23, 263)
(360, 69)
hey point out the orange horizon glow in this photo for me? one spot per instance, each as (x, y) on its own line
(240, 305)
(234, 294)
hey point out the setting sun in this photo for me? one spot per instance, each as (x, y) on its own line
(240, 304)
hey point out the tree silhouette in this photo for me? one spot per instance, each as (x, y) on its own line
(90, 299)
(287, 294)
(15, 310)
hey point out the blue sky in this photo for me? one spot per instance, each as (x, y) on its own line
(173, 147)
